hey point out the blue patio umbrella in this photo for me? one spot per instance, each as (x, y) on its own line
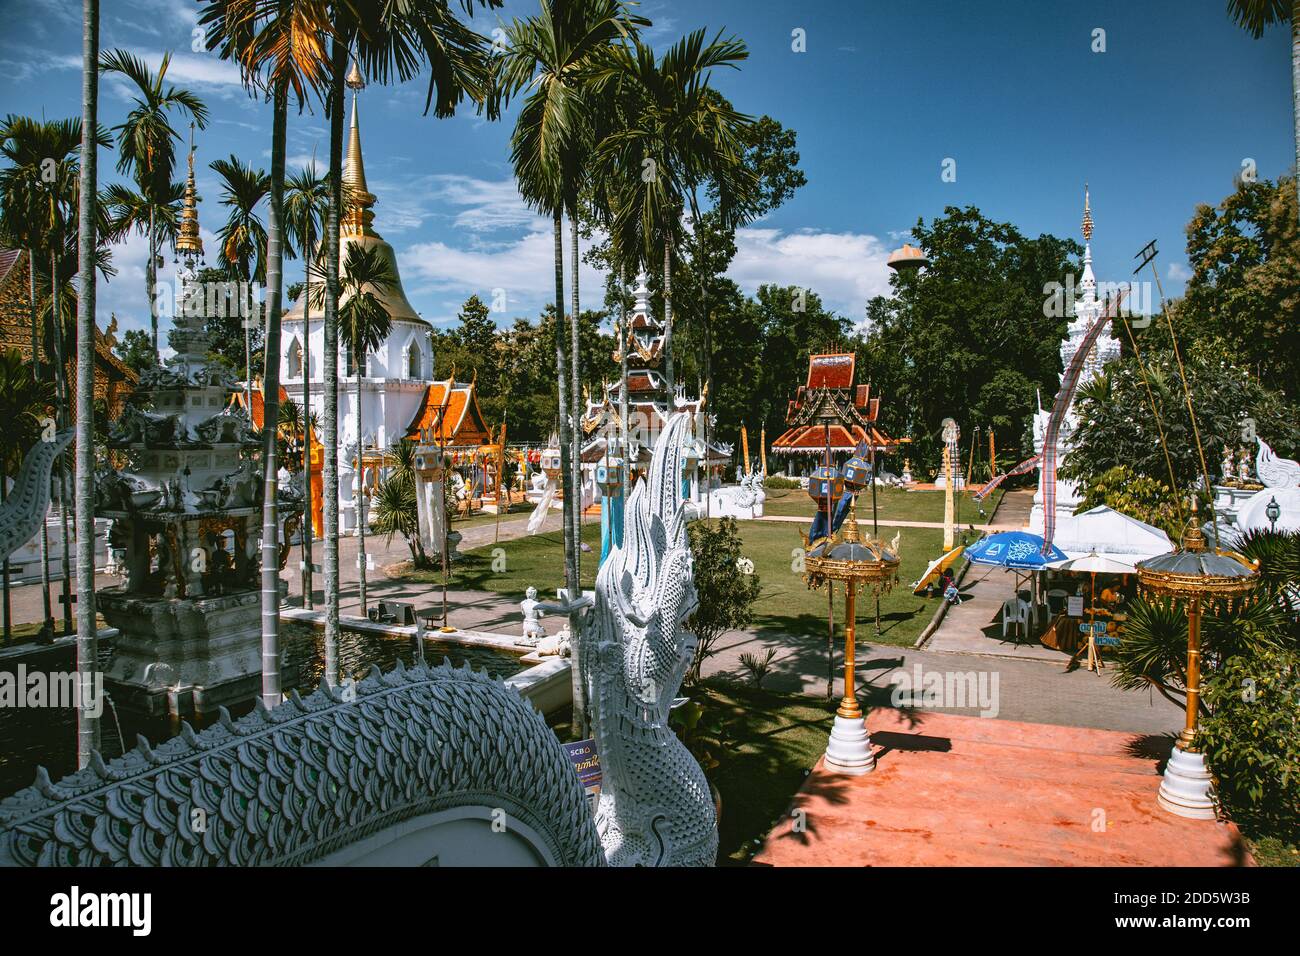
(1013, 549)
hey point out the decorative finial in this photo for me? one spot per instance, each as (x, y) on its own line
(354, 79)
(188, 240)
(851, 534)
(1087, 216)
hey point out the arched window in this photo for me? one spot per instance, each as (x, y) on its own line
(295, 359)
(414, 360)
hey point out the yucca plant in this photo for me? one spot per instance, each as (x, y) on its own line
(394, 511)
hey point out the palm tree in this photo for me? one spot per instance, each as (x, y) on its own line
(364, 324)
(43, 186)
(306, 207)
(1255, 15)
(396, 511)
(146, 150)
(243, 238)
(396, 40)
(554, 55)
(280, 48)
(88, 215)
(683, 135)
(31, 209)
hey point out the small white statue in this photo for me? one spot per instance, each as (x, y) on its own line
(533, 630)
(907, 471)
(557, 646)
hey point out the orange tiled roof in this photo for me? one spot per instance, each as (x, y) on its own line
(461, 424)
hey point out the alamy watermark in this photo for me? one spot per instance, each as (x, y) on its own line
(59, 689)
(942, 690)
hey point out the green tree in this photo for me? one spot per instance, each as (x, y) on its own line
(306, 207)
(364, 324)
(727, 594)
(1116, 427)
(136, 351)
(146, 151)
(972, 336)
(396, 510)
(397, 41)
(553, 55)
(1245, 284)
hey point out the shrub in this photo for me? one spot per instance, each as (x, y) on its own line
(726, 593)
(1252, 738)
(779, 483)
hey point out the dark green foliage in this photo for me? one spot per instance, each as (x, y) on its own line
(968, 336)
(1251, 739)
(726, 594)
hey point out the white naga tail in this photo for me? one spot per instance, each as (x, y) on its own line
(24, 508)
(655, 806)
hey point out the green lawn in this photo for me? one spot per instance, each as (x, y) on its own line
(785, 604)
(891, 503)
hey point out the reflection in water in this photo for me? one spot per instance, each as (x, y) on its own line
(48, 736)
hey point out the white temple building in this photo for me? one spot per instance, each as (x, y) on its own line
(395, 376)
(1087, 307)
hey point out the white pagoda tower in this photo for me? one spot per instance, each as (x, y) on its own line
(396, 375)
(1087, 307)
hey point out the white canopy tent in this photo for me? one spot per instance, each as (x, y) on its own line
(1106, 532)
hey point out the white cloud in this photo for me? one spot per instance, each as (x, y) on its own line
(524, 269)
(845, 269)
(1179, 272)
(476, 205)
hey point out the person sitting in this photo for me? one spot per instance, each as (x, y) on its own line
(948, 588)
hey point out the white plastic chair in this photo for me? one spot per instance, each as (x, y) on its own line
(1015, 612)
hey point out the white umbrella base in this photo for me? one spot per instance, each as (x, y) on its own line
(849, 750)
(1185, 789)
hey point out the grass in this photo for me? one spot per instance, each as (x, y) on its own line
(28, 632)
(785, 605)
(893, 504)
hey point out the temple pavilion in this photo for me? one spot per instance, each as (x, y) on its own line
(649, 405)
(829, 409)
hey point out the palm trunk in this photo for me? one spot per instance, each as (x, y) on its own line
(572, 581)
(668, 320)
(87, 637)
(61, 398)
(575, 401)
(305, 535)
(8, 626)
(1295, 88)
(47, 607)
(358, 507)
(271, 695)
(151, 279)
(625, 338)
(330, 368)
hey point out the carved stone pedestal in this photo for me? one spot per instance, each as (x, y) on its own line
(179, 656)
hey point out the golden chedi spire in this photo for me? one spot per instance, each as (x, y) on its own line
(357, 198)
(188, 241)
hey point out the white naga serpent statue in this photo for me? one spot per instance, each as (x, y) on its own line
(655, 807)
(334, 776)
(24, 508)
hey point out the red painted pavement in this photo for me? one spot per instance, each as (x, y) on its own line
(966, 791)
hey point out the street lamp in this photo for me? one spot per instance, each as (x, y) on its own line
(1273, 511)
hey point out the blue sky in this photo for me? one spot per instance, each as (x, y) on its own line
(883, 94)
